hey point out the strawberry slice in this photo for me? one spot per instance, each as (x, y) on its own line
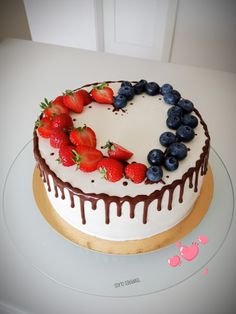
(87, 158)
(62, 121)
(86, 96)
(58, 100)
(58, 138)
(117, 151)
(67, 155)
(102, 94)
(111, 169)
(83, 136)
(73, 100)
(136, 172)
(53, 108)
(44, 127)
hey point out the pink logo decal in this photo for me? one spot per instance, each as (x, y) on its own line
(203, 239)
(189, 252)
(174, 261)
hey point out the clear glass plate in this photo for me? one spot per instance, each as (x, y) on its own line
(101, 274)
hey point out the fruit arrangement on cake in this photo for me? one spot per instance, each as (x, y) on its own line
(121, 160)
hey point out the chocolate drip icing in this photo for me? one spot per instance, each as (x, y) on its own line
(48, 184)
(191, 181)
(181, 193)
(62, 193)
(171, 192)
(72, 201)
(82, 200)
(119, 212)
(159, 203)
(107, 212)
(55, 189)
(132, 209)
(145, 211)
(93, 204)
(200, 168)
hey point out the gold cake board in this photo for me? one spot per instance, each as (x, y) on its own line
(131, 246)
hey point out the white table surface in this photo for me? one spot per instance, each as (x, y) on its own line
(31, 71)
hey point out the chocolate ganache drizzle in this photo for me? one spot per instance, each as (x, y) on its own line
(191, 178)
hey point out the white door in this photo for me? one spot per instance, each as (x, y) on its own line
(140, 28)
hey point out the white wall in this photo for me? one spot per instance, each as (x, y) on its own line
(194, 32)
(205, 34)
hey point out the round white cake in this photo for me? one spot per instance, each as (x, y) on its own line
(124, 210)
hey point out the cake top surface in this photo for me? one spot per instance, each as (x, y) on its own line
(137, 127)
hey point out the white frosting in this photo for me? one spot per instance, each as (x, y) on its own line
(137, 129)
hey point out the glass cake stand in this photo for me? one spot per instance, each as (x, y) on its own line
(101, 274)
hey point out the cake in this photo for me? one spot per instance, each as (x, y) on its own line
(165, 143)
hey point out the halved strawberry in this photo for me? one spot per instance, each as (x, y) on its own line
(44, 127)
(62, 121)
(87, 158)
(102, 94)
(136, 172)
(111, 169)
(73, 100)
(83, 136)
(67, 155)
(86, 96)
(59, 138)
(117, 151)
(52, 108)
(58, 100)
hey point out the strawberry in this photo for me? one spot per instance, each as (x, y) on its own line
(58, 138)
(62, 121)
(86, 96)
(83, 136)
(58, 100)
(118, 152)
(136, 172)
(73, 100)
(52, 108)
(87, 158)
(102, 94)
(44, 127)
(67, 155)
(111, 169)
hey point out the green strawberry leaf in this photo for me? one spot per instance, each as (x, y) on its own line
(68, 92)
(101, 86)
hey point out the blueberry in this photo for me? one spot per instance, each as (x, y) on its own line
(152, 88)
(173, 122)
(169, 99)
(155, 157)
(166, 88)
(139, 87)
(126, 83)
(185, 133)
(120, 101)
(177, 150)
(154, 173)
(167, 138)
(186, 105)
(171, 163)
(127, 91)
(190, 120)
(175, 111)
(172, 97)
(176, 94)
